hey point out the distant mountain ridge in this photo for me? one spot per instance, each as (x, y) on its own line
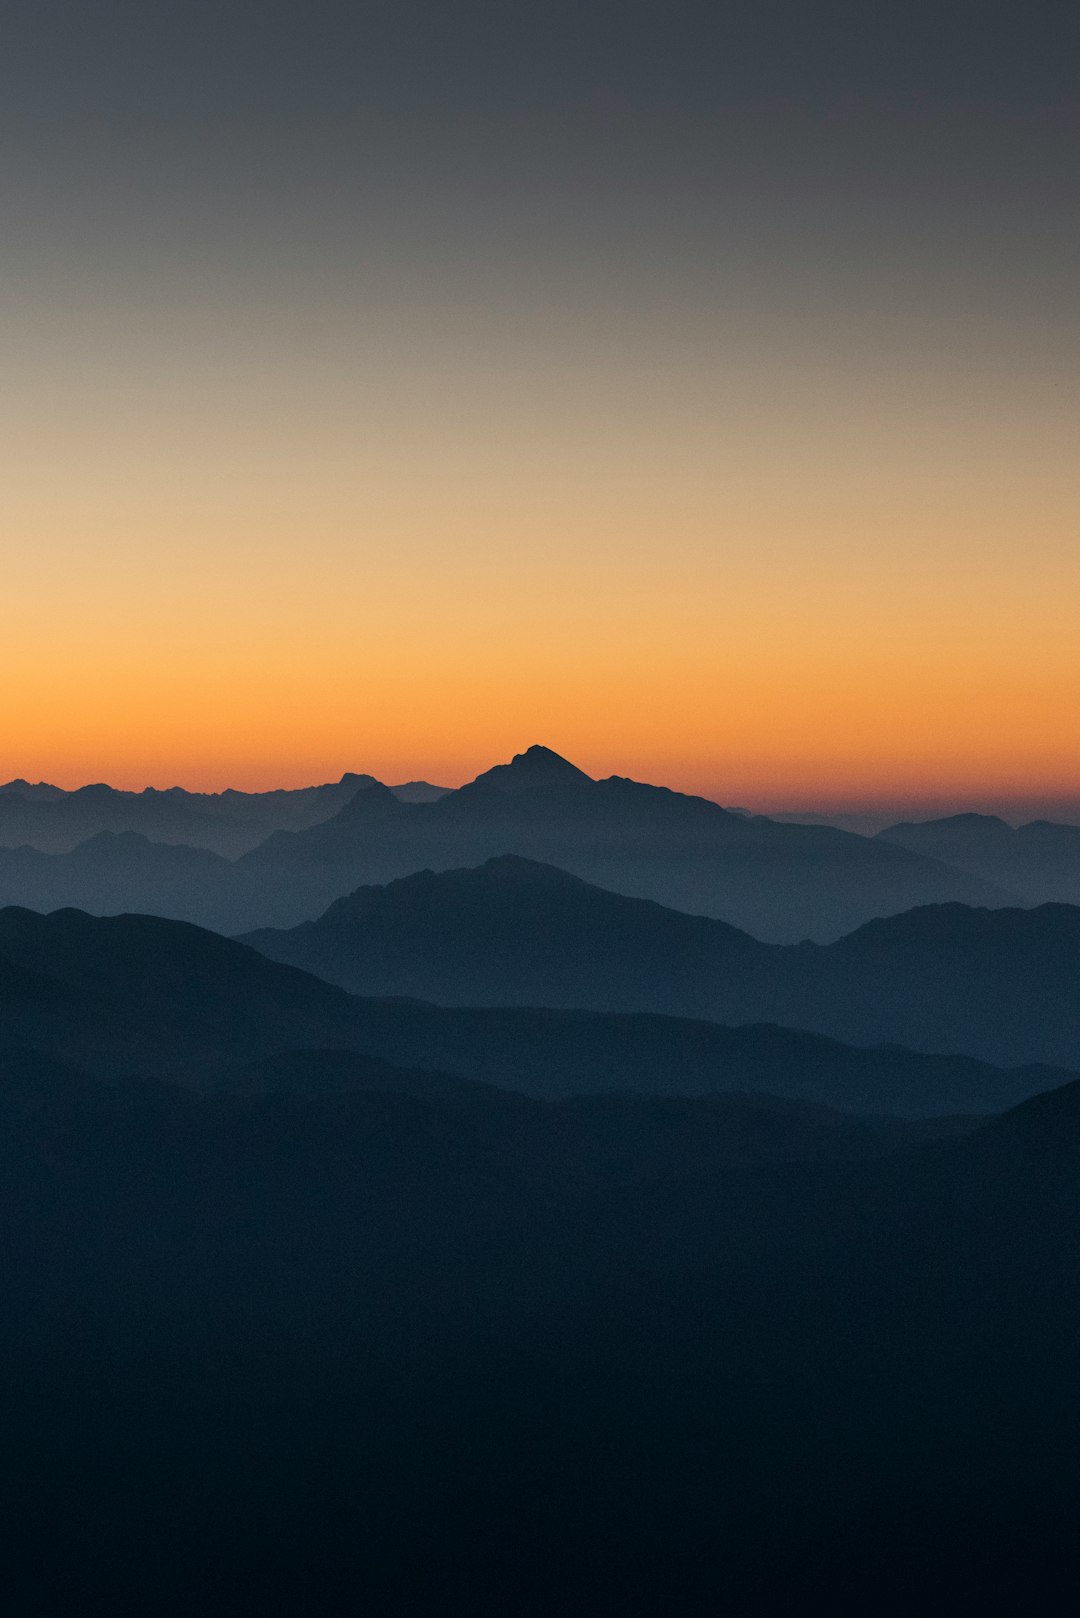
(997, 984)
(1039, 860)
(780, 882)
(137, 997)
(53, 820)
(784, 882)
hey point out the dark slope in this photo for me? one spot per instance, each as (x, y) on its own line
(1003, 985)
(777, 881)
(145, 997)
(561, 1053)
(1000, 984)
(1039, 861)
(435, 1353)
(150, 998)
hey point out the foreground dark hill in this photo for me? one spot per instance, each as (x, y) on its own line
(140, 997)
(53, 821)
(1039, 861)
(783, 882)
(615, 1354)
(1001, 985)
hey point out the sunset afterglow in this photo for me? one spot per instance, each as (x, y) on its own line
(728, 442)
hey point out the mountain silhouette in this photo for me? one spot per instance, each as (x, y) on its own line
(139, 997)
(1039, 861)
(780, 882)
(112, 872)
(993, 984)
(297, 1279)
(536, 768)
(54, 821)
(31, 791)
(418, 791)
(776, 881)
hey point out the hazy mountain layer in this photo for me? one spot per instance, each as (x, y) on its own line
(1039, 861)
(139, 997)
(782, 882)
(54, 821)
(1000, 985)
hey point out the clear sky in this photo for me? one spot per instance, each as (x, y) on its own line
(692, 387)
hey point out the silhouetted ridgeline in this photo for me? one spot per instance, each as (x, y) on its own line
(998, 984)
(47, 818)
(647, 1271)
(783, 882)
(140, 997)
(1039, 861)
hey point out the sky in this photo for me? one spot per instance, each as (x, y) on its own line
(692, 388)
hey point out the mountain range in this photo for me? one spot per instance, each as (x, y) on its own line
(779, 882)
(140, 998)
(1040, 861)
(999, 985)
(41, 816)
(597, 1256)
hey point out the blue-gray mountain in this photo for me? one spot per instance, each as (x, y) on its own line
(1039, 861)
(44, 817)
(140, 998)
(1003, 985)
(781, 882)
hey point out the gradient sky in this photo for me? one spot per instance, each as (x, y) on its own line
(692, 387)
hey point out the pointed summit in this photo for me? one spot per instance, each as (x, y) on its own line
(536, 767)
(371, 801)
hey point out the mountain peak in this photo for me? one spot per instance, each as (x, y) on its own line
(372, 799)
(536, 767)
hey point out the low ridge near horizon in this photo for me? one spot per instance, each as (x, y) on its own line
(230, 822)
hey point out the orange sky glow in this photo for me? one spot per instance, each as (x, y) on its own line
(782, 568)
